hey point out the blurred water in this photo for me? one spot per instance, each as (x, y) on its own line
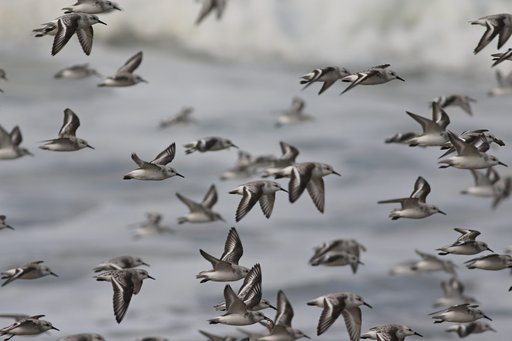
(73, 210)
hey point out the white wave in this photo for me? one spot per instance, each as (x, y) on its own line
(409, 33)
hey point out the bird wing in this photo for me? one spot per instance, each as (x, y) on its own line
(192, 205)
(66, 27)
(210, 197)
(439, 116)
(85, 35)
(70, 124)
(131, 64)
(316, 191)
(421, 189)
(249, 199)
(166, 155)
(206, 8)
(234, 304)
(361, 77)
(284, 313)
(352, 317)
(123, 290)
(267, 203)
(462, 148)
(491, 31)
(329, 314)
(299, 178)
(427, 125)
(252, 278)
(233, 249)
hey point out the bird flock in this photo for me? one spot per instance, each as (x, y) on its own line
(465, 151)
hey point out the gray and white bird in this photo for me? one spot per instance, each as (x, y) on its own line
(434, 130)
(465, 329)
(307, 175)
(453, 294)
(295, 114)
(495, 25)
(336, 251)
(182, 117)
(237, 313)
(482, 139)
(47, 29)
(92, 7)
(208, 144)
(430, 263)
(79, 71)
(67, 140)
(124, 75)
(82, 337)
(390, 332)
(484, 183)
(328, 76)
(468, 156)
(378, 74)
(288, 156)
(244, 167)
(465, 244)
(492, 262)
(462, 101)
(461, 313)
(262, 191)
(415, 206)
(10, 144)
(281, 328)
(30, 270)
(225, 268)
(498, 58)
(125, 283)
(340, 303)
(3, 223)
(338, 259)
(120, 263)
(32, 325)
(155, 169)
(250, 292)
(152, 226)
(208, 6)
(201, 212)
(79, 23)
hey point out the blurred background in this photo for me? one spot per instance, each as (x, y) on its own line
(73, 210)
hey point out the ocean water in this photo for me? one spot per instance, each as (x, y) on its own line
(73, 210)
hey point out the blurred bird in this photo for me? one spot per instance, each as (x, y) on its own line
(124, 75)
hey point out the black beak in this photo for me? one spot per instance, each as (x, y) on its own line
(487, 317)
(398, 77)
(119, 9)
(151, 277)
(501, 163)
(101, 22)
(282, 189)
(146, 264)
(366, 304)
(416, 333)
(334, 172)
(55, 328)
(178, 174)
(89, 146)
(54, 274)
(441, 212)
(490, 250)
